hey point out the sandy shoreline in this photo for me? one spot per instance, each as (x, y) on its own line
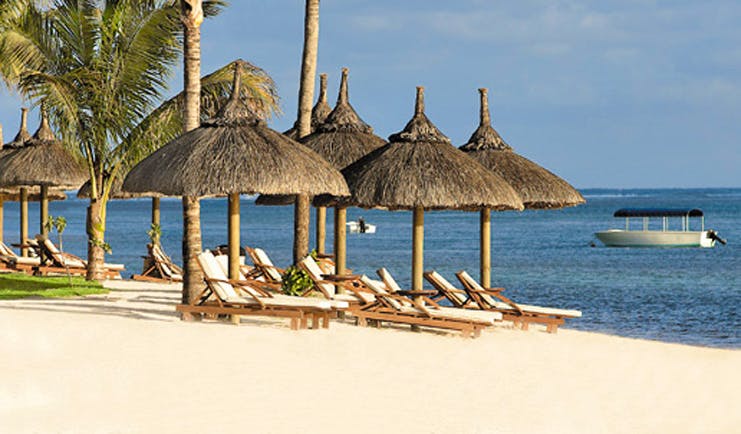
(124, 363)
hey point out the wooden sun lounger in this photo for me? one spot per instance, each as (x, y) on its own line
(63, 263)
(244, 279)
(230, 297)
(396, 308)
(326, 284)
(492, 300)
(160, 268)
(12, 262)
(264, 269)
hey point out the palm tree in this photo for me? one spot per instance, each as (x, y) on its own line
(305, 99)
(192, 17)
(100, 67)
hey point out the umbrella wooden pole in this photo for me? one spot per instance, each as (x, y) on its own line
(234, 236)
(485, 247)
(340, 242)
(321, 229)
(24, 221)
(2, 220)
(44, 211)
(418, 242)
(156, 211)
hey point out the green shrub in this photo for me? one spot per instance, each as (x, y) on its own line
(296, 281)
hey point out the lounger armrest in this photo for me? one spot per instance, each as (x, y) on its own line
(492, 291)
(498, 295)
(325, 255)
(417, 293)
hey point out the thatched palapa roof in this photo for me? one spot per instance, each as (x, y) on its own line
(537, 187)
(319, 112)
(41, 161)
(235, 152)
(420, 168)
(342, 139)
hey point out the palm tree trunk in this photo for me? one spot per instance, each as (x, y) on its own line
(95, 236)
(192, 17)
(305, 99)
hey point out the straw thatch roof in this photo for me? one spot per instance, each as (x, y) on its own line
(319, 112)
(342, 139)
(420, 168)
(41, 161)
(537, 187)
(235, 152)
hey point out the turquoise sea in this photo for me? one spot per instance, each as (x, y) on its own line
(690, 296)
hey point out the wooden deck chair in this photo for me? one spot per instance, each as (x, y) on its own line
(10, 261)
(519, 314)
(53, 261)
(159, 267)
(391, 307)
(393, 287)
(224, 296)
(327, 284)
(446, 291)
(242, 279)
(264, 267)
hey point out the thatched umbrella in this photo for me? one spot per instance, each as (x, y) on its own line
(420, 170)
(234, 153)
(319, 112)
(342, 139)
(18, 141)
(538, 188)
(42, 161)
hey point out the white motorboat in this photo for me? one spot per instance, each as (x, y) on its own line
(358, 227)
(665, 237)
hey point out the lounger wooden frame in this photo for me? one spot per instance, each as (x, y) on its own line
(389, 307)
(75, 265)
(211, 304)
(520, 315)
(11, 262)
(357, 293)
(163, 269)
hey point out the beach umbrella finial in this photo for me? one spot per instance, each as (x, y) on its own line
(44, 134)
(322, 88)
(234, 111)
(343, 98)
(23, 136)
(419, 106)
(484, 111)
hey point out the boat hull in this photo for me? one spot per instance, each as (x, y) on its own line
(354, 228)
(623, 238)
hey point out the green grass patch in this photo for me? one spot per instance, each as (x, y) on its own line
(16, 285)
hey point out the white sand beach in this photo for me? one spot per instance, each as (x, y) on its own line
(124, 363)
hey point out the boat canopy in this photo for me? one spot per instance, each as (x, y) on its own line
(658, 212)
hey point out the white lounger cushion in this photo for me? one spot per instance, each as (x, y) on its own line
(268, 265)
(525, 307)
(455, 314)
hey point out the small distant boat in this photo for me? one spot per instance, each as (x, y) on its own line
(358, 227)
(660, 238)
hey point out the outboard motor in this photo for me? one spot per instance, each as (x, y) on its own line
(714, 236)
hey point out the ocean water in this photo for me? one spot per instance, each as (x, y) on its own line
(690, 296)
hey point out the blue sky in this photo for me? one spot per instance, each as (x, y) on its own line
(621, 93)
